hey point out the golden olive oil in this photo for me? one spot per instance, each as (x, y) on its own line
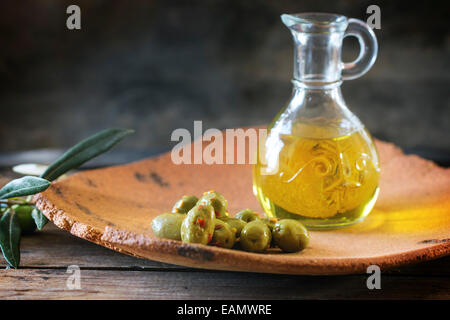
(321, 180)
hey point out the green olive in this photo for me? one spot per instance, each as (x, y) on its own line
(26, 221)
(290, 235)
(168, 226)
(236, 224)
(218, 202)
(223, 235)
(247, 215)
(270, 223)
(255, 237)
(185, 204)
(198, 226)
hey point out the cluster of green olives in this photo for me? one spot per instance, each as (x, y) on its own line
(206, 221)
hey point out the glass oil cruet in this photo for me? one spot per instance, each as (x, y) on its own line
(317, 163)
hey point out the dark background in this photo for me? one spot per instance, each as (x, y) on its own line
(159, 65)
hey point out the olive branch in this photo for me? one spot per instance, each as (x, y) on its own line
(19, 215)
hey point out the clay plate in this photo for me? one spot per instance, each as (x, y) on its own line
(114, 206)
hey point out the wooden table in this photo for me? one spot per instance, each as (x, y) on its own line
(106, 274)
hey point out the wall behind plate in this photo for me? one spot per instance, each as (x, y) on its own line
(160, 65)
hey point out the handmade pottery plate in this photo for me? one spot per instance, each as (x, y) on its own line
(114, 207)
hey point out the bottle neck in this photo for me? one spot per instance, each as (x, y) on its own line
(317, 85)
(317, 57)
(317, 95)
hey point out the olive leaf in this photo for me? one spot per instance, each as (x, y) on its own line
(24, 186)
(10, 237)
(39, 219)
(84, 151)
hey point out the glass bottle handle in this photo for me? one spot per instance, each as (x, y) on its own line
(368, 49)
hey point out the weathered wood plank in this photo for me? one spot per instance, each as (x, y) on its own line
(103, 284)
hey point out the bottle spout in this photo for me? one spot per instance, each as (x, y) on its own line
(318, 41)
(317, 45)
(315, 22)
(289, 20)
